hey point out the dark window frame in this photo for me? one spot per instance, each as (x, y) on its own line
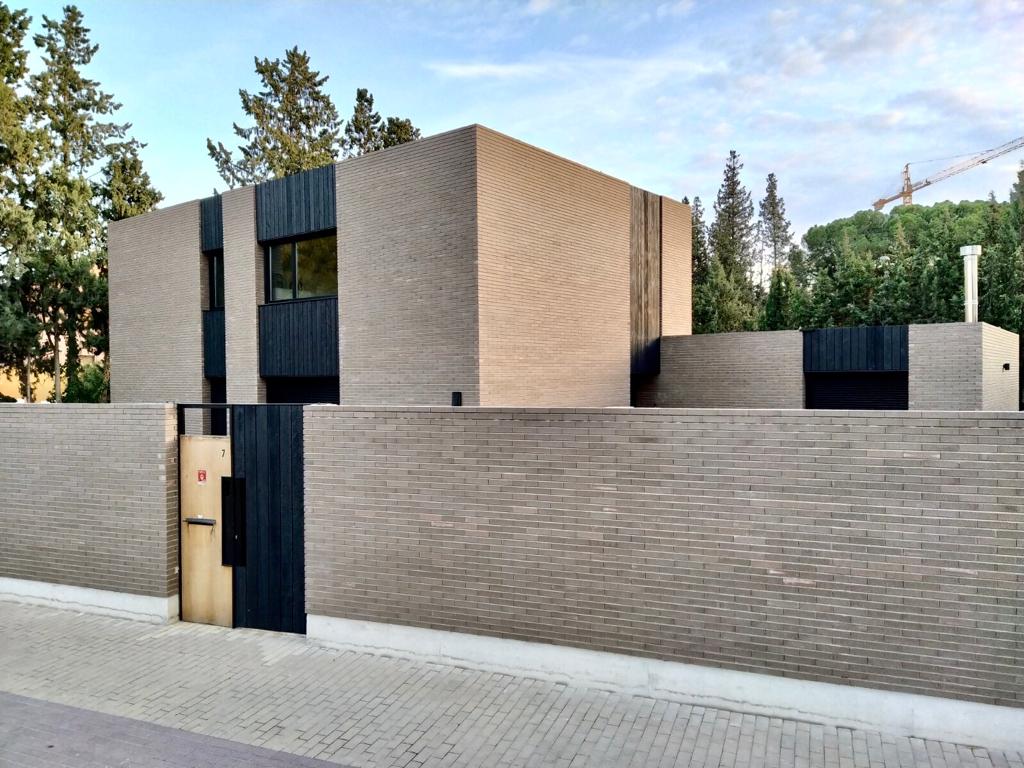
(268, 273)
(215, 285)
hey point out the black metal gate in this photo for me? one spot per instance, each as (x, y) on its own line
(262, 515)
(266, 465)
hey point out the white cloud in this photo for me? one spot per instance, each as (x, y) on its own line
(677, 8)
(539, 7)
(487, 70)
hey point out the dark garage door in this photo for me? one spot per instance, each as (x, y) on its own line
(858, 390)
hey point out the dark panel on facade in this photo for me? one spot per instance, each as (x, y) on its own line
(644, 282)
(858, 390)
(296, 205)
(867, 348)
(266, 454)
(299, 338)
(211, 223)
(306, 389)
(214, 363)
(218, 416)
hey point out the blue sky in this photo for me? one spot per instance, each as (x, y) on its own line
(832, 97)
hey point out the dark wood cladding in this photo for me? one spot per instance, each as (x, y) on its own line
(296, 205)
(267, 456)
(211, 223)
(299, 338)
(214, 363)
(644, 281)
(869, 348)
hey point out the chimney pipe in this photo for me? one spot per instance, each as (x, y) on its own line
(970, 254)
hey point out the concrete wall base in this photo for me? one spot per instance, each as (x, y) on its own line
(900, 714)
(122, 605)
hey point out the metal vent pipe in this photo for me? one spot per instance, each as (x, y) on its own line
(971, 253)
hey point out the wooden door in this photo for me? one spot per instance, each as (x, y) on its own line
(205, 582)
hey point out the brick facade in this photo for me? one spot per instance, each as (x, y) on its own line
(729, 370)
(156, 294)
(90, 496)
(958, 366)
(676, 268)
(407, 272)
(553, 278)
(854, 548)
(244, 291)
(1000, 388)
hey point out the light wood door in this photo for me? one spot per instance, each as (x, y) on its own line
(205, 583)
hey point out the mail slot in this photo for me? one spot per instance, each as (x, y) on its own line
(200, 521)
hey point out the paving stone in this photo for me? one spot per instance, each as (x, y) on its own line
(113, 692)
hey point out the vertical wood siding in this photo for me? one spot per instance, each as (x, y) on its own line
(644, 281)
(299, 338)
(296, 205)
(211, 220)
(872, 348)
(214, 361)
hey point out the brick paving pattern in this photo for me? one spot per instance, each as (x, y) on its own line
(283, 693)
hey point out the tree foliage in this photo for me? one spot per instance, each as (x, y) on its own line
(296, 125)
(365, 131)
(56, 139)
(869, 268)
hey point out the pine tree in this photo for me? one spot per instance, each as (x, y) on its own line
(366, 132)
(363, 130)
(731, 236)
(126, 189)
(727, 308)
(773, 228)
(782, 302)
(296, 124)
(20, 146)
(67, 243)
(699, 243)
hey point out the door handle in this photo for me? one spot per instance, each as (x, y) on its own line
(200, 521)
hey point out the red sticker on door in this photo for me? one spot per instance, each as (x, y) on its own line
(201, 476)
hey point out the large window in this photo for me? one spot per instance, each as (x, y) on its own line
(303, 269)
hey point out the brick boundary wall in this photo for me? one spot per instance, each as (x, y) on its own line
(90, 496)
(879, 550)
(1000, 389)
(763, 369)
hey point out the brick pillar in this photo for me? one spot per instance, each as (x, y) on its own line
(243, 293)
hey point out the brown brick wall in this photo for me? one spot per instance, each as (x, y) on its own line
(854, 548)
(676, 268)
(90, 496)
(553, 278)
(407, 272)
(729, 370)
(1000, 389)
(156, 331)
(244, 291)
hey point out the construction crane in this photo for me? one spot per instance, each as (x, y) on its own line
(909, 187)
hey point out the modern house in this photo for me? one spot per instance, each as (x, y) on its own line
(466, 268)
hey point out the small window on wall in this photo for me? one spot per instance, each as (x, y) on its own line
(216, 262)
(302, 270)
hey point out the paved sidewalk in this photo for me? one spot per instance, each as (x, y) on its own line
(282, 693)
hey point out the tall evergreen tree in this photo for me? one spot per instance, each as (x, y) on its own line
(773, 228)
(296, 124)
(731, 236)
(366, 131)
(20, 146)
(67, 245)
(782, 304)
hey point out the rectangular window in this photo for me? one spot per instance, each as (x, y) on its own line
(303, 269)
(216, 261)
